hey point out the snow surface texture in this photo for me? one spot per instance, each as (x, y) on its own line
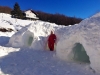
(85, 33)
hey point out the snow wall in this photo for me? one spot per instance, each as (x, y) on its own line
(86, 33)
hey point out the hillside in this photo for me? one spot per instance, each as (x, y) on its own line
(5, 9)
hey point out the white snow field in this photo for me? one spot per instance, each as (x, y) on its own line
(25, 52)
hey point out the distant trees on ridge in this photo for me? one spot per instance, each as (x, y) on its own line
(57, 18)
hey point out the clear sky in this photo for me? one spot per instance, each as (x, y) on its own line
(78, 8)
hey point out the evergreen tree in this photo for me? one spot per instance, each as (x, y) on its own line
(16, 12)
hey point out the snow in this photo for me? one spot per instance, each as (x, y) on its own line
(18, 56)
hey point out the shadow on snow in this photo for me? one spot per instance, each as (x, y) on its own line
(4, 40)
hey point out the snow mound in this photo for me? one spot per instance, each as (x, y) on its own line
(87, 33)
(35, 35)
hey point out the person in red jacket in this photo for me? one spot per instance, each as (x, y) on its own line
(51, 41)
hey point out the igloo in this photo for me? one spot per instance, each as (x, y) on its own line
(87, 35)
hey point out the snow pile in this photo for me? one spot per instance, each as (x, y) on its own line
(16, 24)
(87, 33)
(35, 35)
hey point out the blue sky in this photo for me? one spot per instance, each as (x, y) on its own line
(78, 8)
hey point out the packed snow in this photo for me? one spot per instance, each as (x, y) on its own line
(19, 56)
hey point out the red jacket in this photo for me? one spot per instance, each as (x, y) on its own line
(52, 38)
(51, 41)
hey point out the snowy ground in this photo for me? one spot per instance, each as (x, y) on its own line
(36, 62)
(24, 61)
